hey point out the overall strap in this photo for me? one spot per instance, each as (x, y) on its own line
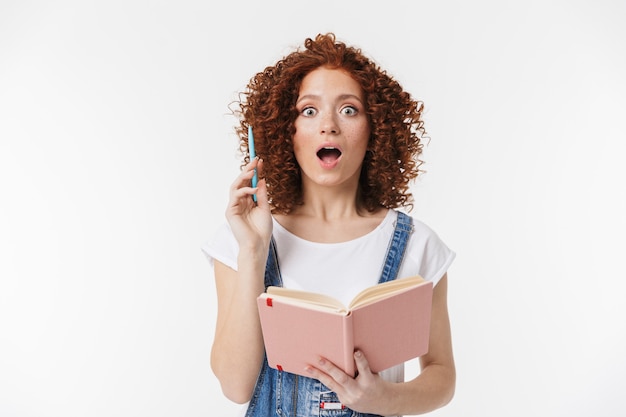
(397, 247)
(263, 395)
(272, 270)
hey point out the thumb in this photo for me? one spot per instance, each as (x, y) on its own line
(362, 365)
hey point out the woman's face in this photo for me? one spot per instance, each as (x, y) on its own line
(332, 128)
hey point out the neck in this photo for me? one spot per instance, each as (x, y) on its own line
(331, 203)
(331, 217)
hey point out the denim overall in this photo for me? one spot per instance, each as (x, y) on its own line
(283, 394)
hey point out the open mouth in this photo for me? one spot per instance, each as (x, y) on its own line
(328, 154)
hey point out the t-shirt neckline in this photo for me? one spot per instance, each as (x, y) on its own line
(390, 216)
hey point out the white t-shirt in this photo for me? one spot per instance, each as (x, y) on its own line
(343, 269)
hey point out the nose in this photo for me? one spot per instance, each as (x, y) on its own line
(329, 125)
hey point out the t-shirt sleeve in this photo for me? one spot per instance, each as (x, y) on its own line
(427, 255)
(222, 247)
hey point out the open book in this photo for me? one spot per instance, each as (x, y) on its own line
(389, 323)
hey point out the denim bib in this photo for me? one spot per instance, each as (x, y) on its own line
(283, 394)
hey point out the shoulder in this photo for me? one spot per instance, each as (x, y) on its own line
(427, 254)
(222, 246)
(420, 230)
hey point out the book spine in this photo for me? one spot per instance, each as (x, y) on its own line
(348, 345)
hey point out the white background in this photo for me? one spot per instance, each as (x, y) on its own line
(116, 151)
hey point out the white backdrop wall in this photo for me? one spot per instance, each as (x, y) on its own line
(116, 151)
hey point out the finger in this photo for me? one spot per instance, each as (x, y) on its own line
(261, 187)
(242, 192)
(252, 165)
(249, 170)
(259, 166)
(242, 180)
(242, 185)
(325, 379)
(362, 365)
(333, 371)
(261, 194)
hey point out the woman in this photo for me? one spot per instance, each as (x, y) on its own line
(338, 143)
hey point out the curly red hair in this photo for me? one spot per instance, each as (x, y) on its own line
(395, 143)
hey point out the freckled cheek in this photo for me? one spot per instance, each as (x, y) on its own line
(299, 147)
(303, 137)
(301, 132)
(298, 142)
(359, 136)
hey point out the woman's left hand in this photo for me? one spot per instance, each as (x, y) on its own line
(366, 393)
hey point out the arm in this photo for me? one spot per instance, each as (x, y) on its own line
(432, 389)
(237, 350)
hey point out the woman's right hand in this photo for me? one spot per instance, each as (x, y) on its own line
(250, 221)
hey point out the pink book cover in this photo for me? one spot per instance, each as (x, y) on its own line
(396, 329)
(389, 331)
(295, 336)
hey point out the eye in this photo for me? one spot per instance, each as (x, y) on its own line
(349, 111)
(308, 112)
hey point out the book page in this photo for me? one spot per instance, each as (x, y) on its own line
(305, 297)
(372, 294)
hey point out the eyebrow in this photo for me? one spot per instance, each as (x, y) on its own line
(339, 98)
